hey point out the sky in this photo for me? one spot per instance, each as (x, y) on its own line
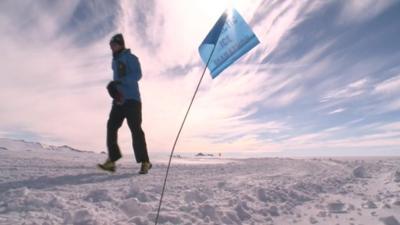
(325, 79)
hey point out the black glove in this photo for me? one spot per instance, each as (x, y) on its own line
(113, 90)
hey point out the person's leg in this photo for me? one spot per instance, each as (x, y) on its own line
(114, 123)
(133, 110)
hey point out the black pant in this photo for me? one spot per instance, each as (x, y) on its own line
(132, 111)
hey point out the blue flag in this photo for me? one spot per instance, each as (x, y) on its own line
(229, 39)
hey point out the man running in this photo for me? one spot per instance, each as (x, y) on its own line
(124, 89)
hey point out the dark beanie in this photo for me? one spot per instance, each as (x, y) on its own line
(118, 39)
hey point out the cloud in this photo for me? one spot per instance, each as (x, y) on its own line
(390, 127)
(355, 11)
(56, 63)
(326, 143)
(389, 86)
(354, 89)
(337, 111)
(393, 105)
(283, 99)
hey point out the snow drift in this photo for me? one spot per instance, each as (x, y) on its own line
(50, 185)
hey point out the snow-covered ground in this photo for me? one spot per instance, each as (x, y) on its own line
(58, 185)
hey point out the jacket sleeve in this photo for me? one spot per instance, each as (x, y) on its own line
(135, 67)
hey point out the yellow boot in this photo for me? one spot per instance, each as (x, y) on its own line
(108, 165)
(144, 169)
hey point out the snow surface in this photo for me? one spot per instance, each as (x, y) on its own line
(42, 184)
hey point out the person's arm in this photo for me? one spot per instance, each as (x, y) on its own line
(135, 67)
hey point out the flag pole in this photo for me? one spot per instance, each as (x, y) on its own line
(178, 135)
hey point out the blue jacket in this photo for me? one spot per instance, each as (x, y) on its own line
(127, 73)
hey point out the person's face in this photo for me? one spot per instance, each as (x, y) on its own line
(115, 47)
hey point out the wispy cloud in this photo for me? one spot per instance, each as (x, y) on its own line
(389, 86)
(354, 11)
(354, 89)
(315, 60)
(337, 111)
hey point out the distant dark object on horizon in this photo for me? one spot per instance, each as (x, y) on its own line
(202, 154)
